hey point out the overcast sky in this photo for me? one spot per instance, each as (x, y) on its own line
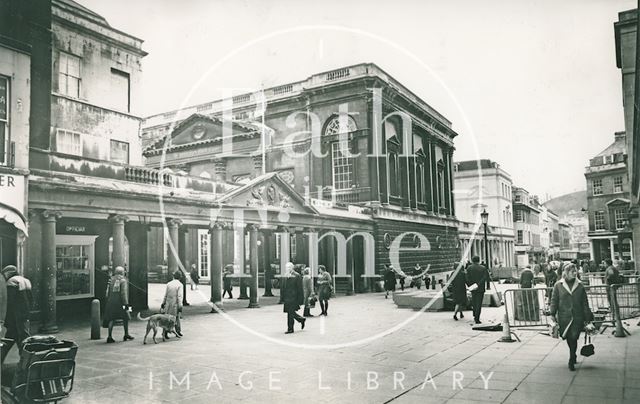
(532, 84)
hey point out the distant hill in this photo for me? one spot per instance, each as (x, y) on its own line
(561, 205)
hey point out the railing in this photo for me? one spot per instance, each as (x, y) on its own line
(148, 176)
(287, 88)
(337, 74)
(627, 297)
(351, 195)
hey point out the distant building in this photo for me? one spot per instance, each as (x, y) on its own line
(482, 185)
(608, 202)
(625, 35)
(526, 220)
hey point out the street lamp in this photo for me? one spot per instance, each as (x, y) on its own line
(485, 219)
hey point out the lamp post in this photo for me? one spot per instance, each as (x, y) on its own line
(485, 219)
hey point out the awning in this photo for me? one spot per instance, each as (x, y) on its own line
(14, 217)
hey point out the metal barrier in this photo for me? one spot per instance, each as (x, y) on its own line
(627, 297)
(527, 307)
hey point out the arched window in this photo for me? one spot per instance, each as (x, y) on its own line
(394, 145)
(341, 164)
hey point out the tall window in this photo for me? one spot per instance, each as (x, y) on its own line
(341, 166)
(394, 170)
(617, 184)
(597, 187)
(4, 120)
(620, 218)
(203, 253)
(119, 151)
(520, 239)
(441, 185)
(69, 75)
(341, 163)
(598, 220)
(68, 142)
(519, 216)
(120, 90)
(420, 182)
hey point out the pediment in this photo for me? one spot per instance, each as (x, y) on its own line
(618, 201)
(268, 191)
(202, 129)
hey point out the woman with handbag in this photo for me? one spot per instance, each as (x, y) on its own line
(325, 288)
(570, 310)
(117, 304)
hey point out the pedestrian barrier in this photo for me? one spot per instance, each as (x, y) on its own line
(601, 305)
(627, 297)
(527, 308)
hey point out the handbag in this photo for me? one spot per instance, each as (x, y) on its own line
(587, 349)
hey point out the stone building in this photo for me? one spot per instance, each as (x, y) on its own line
(482, 185)
(626, 31)
(351, 139)
(526, 218)
(608, 202)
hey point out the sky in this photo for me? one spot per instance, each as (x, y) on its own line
(532, 85)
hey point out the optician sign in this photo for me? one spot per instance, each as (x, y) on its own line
(12, 191)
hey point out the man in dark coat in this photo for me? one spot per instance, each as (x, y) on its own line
(477, 274)
(293, 297)
(19, 299)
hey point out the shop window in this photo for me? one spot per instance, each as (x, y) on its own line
(68, 142)
(69, 75)
(4, 121)
(617, 184)
(598, 220)
(75, 267)
(119, 151)
(597, 187)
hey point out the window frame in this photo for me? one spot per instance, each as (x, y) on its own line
(65, 91)
(5, 136)
(595, 187)
(346, 174)
(119, 142)
(618, 184)
(598, 218)
(60, 143)
(619, 215)
(127, 76)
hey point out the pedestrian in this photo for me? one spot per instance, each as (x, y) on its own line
(417, 276)
(226, 281)
(15, 306)
(427, 281)
(117, 307)
(569, 309)
(527, 304)
(307, 287)
(612, 273)
(402, 279)
(389, 280)
(173, 301)
(477, 277)
(195, 277)
(292, 297)
(325, 289)
(183, 280)
(458, 288)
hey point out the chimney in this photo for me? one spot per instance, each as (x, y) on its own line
(620, 136)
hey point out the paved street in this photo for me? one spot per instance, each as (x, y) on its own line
(218, 360)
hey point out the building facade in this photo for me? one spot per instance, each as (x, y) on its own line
(626, 31)
(482, 185)
(526, 220)
(351, 138)
(608, 203)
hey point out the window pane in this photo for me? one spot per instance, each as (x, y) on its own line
(120, 152)
(72, 87)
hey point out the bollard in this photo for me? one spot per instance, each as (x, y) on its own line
(619, 331)
(506, 331)
(95, 319)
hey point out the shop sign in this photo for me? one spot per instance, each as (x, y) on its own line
(12, 191)
(75, 227)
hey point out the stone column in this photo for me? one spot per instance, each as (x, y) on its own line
(239, 261)
(266, 249)
(173, 253)
(117, 232)
(253, 264)
(49, 272)
(216, 229)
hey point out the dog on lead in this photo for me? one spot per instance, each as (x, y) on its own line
(165, 321)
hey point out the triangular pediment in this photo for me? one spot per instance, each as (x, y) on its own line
(202, 129)
(618, 201)
(268, 191)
